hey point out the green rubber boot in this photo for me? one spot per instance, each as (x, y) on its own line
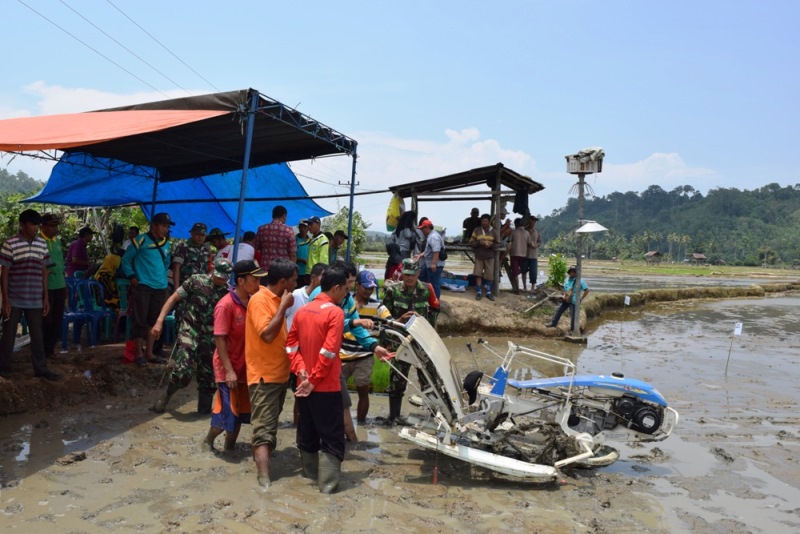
(330, 469)
(310, 463)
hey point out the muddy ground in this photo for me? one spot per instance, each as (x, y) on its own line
(86, 455)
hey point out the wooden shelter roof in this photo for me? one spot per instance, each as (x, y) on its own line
(481, 176)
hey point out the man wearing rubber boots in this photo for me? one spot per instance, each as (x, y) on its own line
(313, 346)
(411, 297)
(265, 356)
(194, 352)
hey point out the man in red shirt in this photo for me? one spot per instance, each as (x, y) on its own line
(313, 346)
(275, 240)
(232, 403)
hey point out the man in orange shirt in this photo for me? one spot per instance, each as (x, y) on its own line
(267, 365)
(313, 346)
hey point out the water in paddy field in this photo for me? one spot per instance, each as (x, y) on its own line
(736, 450)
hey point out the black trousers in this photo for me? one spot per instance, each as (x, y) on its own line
(34, 318)
(321, 423)
(51, 323)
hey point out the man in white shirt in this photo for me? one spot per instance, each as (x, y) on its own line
(246, 251)
(302, 294)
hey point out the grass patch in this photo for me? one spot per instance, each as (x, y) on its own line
(380, 377)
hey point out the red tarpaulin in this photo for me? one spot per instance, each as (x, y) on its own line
(79, 129)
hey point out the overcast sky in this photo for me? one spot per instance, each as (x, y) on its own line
(680, 92)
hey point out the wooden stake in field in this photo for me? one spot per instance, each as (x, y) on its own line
(625, 305)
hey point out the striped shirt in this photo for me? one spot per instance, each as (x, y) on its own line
(26, 262)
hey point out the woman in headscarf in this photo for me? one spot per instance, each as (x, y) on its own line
(107, 275)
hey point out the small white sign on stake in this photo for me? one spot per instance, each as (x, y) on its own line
(627, 300)
(737, 331)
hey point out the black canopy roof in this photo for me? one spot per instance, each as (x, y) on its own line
(217, 144)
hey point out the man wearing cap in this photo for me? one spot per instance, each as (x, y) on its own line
(433, 259)
(303, 239)
(570, 298)
(276, 240)
(191, 256)
(339, 237)
(232, 402)
(219, 240)
(194, 352)
(356, 360)
(25, 260)
(404, 300)
(484, 239)
(318, 246)
(146, 264)
(469, 225)
(531, 266)
(77, 253)
(56, 284)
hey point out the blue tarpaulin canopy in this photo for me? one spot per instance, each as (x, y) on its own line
(83, 180)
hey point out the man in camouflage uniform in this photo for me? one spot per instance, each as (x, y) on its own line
(191, 256)
(403, 300)
(194, 352)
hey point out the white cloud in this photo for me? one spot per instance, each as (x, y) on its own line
(665, 170)
(385, 161)
(54, 99)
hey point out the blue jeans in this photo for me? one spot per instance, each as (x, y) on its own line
(532, 268)
(560, 311)
(434, 279)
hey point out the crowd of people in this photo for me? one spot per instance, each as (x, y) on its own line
(248, 336)
(242, 331)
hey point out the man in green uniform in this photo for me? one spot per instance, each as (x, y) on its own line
(194, 353)
(411, 297)
(56, 283)
(191, 256)
(318, 246)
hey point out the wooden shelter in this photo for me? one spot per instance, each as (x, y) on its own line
(502, 183)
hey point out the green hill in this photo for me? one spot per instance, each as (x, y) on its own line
(727, 225)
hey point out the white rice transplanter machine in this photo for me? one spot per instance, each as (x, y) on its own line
(550, 423)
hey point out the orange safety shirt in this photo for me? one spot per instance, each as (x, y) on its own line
(314, 342)
(265, 361)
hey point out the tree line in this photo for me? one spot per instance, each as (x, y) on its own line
(727, 225)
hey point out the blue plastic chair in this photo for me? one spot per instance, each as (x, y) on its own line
(73, 314)
(94, 304)
(123, 286)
